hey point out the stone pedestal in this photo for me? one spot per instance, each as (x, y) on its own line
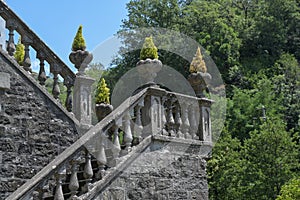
(82, 107)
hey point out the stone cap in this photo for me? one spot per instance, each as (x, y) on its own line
(4, 81)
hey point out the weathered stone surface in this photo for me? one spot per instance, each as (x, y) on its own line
(4, 80)
(164, 171)
(33, 130)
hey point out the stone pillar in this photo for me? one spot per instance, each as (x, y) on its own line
(82, 98)
(205, 133)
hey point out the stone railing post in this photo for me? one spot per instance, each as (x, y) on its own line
(82, 98)
(205, 133)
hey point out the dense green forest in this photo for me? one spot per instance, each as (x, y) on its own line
(256, 46)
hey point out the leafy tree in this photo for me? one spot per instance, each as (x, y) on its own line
(102, 92)
(245, 107)
(291, 190)
(286, 78)
(20, 52)
(78, 42)
(270, 160)
(149, 50)
(224, 168)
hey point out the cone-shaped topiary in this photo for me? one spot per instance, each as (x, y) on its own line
(198, 64)
(102, 92)
(78, 42)
(148, 50)
(20, 52)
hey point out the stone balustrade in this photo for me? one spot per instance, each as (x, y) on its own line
(152, 111)
(43, 54)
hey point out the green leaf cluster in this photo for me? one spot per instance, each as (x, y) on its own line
(78, 42)
(20, 52)
(149, 50)
(291, 190)
(102, 92)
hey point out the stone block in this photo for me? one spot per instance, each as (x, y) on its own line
(4, 81)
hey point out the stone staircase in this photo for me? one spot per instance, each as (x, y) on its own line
(99, 152)
(151, 122)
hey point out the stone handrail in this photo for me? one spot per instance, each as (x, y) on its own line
(152, 111)
(43, 53)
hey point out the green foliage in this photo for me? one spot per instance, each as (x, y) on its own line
(20, 52)
(148, 50)
(255, 45)
(270, 160)
(78, 42)
(198, 64)
(102, 92)
(291, 190)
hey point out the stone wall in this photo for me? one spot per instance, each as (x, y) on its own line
(33, 129)
(165, 171)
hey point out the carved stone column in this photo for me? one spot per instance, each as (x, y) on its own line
(82, 98)
(82, 106)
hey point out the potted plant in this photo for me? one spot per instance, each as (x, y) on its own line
(199, 78)
(103, 107)
(149, 65)
(79, 56)
(20, 52)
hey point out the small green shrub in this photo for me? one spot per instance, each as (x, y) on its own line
(102, 92)
(78, 42)
(20, 52)
(149, 50)
(198, 64)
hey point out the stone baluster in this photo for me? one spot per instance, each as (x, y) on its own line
(11, 26)
(88, 171)
(41, 191)
(170, 118)
(186, 122)
(116, 140)
(74, 184)
(127, 133)
(193, 122)
(59, 195)
(69, 83)
(42, 74)
(101, 158)
(54, 69)
(164, 120)
(26, 62)
(138, 127)
(178, 121)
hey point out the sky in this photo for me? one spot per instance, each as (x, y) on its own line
(56, 21)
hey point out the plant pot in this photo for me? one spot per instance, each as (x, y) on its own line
(80, 59)
(148, 69)
(102, 110)
(199, 82)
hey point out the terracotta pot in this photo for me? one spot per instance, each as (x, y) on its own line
(102, 110)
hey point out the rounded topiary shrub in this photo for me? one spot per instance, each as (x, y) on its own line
(78, 42)
(149, 50)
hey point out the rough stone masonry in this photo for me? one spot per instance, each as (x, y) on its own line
(33, 130)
